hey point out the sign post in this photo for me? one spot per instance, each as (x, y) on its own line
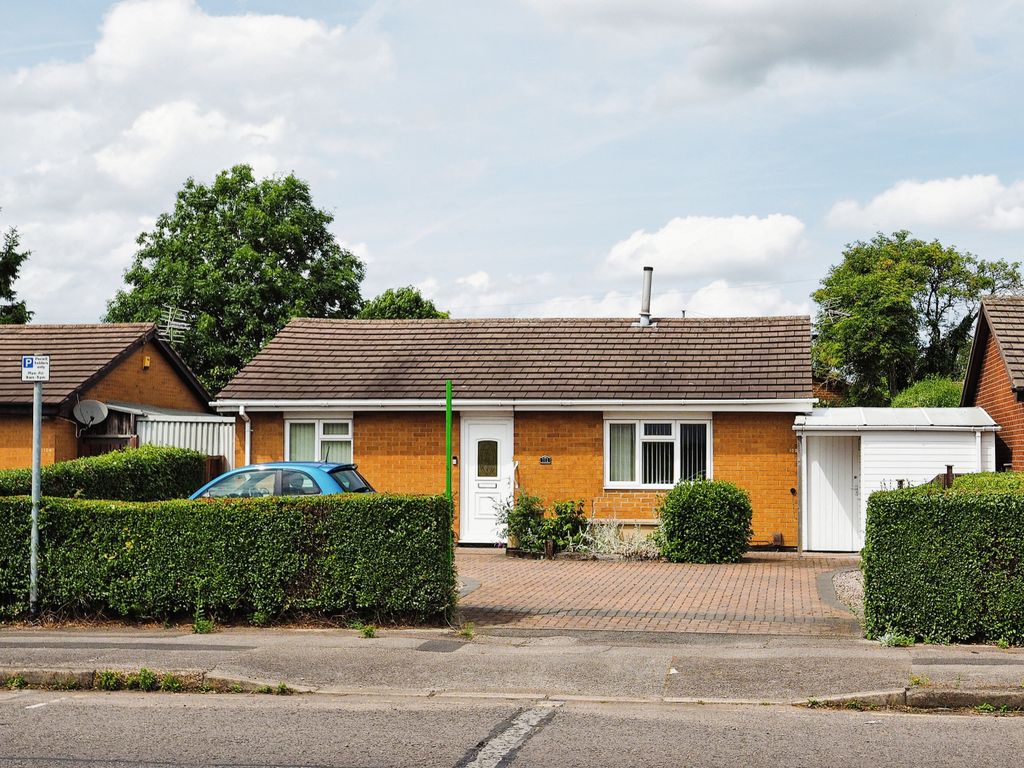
(35, 368)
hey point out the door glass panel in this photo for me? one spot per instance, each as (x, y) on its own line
(302, 442)
(294, 483)
(487, 458)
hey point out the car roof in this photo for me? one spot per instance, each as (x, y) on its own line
(323, 466)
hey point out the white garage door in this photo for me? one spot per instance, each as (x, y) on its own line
(833, 521)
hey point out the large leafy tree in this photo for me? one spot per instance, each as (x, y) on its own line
(11, 258)
(238, 258)
(405, 303)
(897, 309)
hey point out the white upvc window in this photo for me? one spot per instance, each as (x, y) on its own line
(318, 440)
(655, 453)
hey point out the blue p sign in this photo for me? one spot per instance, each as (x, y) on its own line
(27, 361)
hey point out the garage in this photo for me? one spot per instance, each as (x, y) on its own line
(846, 454)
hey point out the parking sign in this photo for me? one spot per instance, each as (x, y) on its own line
(35, 367)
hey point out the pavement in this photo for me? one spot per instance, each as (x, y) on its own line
(586, 666)
(768, 593)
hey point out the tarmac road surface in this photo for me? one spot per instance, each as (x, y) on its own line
(117, 730)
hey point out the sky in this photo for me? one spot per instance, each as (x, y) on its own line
(522, 157)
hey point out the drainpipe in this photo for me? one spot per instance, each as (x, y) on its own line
(645, 298)
(248, 433)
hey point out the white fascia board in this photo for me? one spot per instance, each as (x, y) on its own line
(836, 430)
(458, 404)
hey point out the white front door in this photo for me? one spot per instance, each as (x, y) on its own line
(833, 519)
(487, 477)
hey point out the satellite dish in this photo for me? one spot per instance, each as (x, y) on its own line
(90, 412)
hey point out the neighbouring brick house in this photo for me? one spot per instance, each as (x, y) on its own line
(603, 410)
(995, 374)
(123, 365)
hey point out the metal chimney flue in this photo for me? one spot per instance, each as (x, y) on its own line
(645, 297)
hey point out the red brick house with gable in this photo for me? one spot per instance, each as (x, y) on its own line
(605, 410)
(124, 365)
(995, 374)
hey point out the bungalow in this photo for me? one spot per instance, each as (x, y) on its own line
(995, 374)
(610, 411)
(138, 378)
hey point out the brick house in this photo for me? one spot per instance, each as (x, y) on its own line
(123, 365)
(995, 374)
(606, 410)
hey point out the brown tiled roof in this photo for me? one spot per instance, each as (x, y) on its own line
(553, 359)
(1006, 319)
(79, 356)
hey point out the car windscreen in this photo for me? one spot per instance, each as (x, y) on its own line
(351, 481)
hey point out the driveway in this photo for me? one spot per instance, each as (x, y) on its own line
(766, 593)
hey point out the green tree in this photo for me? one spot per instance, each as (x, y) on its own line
(400, 304)
(897, 309)
(931, 392)
(240, 258)
(11, 259)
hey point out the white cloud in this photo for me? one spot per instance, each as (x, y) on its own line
(168, 91)
(720, 299)
(542, 296)
(696, 246)
(978, 202)
(741, 42)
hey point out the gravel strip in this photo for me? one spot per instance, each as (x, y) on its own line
(849, 586)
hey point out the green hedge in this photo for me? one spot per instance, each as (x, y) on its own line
(148, 473)
(945, 567)
(705, 521)
(252, 559)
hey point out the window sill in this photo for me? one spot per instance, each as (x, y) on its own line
(636, 487)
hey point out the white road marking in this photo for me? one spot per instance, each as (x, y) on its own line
(513, 737)
(44, 703)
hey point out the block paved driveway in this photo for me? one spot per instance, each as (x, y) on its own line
(765, 593)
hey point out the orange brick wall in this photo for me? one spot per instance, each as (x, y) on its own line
(160, 385)
(995, 394)
(267, 438)
(404, 453)
(575, 443)
(757, 451)
(58, 441)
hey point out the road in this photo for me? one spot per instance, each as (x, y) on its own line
(50, 728)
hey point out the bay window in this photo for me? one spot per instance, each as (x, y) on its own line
(655, 453)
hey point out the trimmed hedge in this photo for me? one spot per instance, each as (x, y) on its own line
(147, 473)
(945, 566)
(705, 521)
(254, 559)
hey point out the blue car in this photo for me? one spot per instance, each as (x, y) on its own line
(285, 478)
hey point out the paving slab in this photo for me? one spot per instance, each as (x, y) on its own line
(767, 593)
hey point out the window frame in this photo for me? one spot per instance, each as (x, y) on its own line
(640, 438)
(319, 438)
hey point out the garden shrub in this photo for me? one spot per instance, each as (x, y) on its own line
(705, 521)
(529, 528)
(946, 566)
(931, 392)
(148, 473)
(252, 559)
